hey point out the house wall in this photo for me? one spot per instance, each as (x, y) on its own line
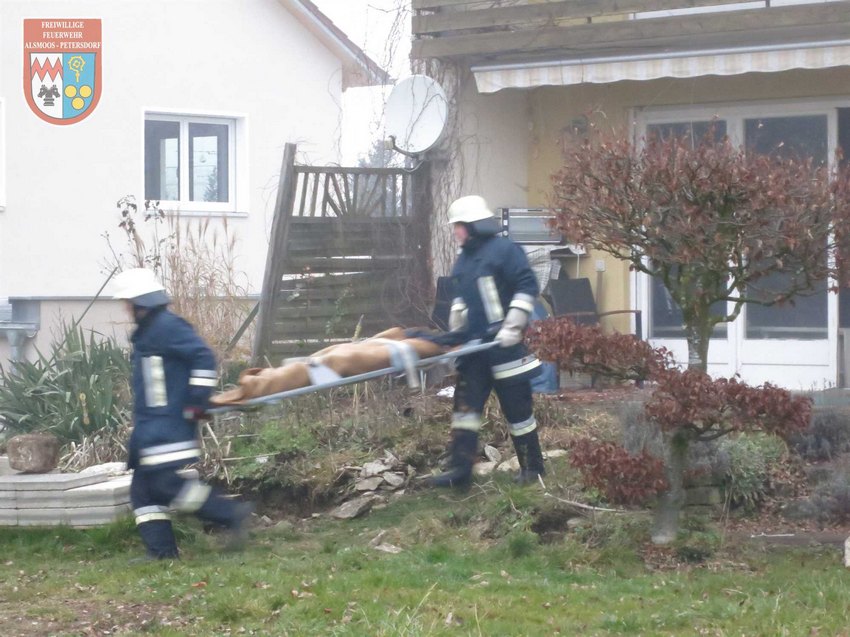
(556, 111)
(108, 318)
(491, 160)
(250, 59)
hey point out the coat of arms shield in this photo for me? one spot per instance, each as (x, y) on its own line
(62, 68)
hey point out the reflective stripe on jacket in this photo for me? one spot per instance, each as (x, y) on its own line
(173, 369)
(488, 274)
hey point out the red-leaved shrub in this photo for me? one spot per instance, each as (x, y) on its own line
(622, 477)
(712, 407)
(586, 348)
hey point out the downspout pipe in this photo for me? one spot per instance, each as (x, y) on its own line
(17, 335)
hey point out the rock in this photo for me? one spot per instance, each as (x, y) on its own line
(388, 548)
(509, 465)
(353, 508)
(285, 525)
(554, 453)
(447, 392)
(818, 474)
(483, 468)
(703, 496)
(376, 468)
(393, 479)
(377, 539)
(107, 468)
(5, 467)
(493, 454)
(700, 477)
(573, 524)
(803, 509)
(33, 453)
(266, 520)
(369, 484)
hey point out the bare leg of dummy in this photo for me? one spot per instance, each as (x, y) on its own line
(346, 359)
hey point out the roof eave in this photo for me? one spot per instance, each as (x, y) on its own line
(358, 68)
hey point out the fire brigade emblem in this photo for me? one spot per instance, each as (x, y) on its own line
(62, 68)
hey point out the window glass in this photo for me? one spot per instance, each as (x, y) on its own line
(787, 137)
(666, 316)
(806, 316)
(162, 160)
(694, 131)
(189, 160)
(208, 150)
(804, 319)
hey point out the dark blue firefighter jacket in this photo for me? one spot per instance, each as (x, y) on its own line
(492, 274)
(174, 373)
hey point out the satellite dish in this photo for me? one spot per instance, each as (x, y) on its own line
(415, 114)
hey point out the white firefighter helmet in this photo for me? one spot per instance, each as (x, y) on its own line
(469, 209)
(140, 286)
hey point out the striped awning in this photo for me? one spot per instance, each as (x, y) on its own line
(600, 70)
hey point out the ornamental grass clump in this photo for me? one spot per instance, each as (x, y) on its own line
(80, 387)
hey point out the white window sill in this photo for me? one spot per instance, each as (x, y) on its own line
(206, 213)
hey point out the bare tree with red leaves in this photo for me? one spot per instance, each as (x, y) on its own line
(710, 221)
(688, 406)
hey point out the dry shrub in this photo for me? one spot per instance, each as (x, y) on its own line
(562, 422)
(195, 258)
(205, 286)
(108, 444)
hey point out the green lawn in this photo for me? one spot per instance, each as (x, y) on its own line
(470, 565)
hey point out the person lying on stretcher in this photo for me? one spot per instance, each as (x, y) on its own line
(388, 348)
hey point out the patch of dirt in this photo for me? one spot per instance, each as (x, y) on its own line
(601, 396)
(89, 618)
(771, 529)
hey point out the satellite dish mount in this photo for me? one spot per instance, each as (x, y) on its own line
(415, 116)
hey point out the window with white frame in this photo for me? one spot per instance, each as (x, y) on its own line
(2, 155)
(190, 162)
(813, 130)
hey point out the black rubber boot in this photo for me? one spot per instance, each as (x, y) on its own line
(159, 541)
(238, 531)
(530, 458)
(463, 450)
(233, 515)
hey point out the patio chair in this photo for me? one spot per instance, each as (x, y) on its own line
(442, 303)
(574, 298)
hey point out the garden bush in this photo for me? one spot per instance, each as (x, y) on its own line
(829, 502)
(827, 436)
(751, 460)
(80, 387)
(624, 478)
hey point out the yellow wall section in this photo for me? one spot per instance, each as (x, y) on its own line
(555, 111)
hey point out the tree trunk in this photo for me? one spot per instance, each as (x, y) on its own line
(698, 340)
(666, 525)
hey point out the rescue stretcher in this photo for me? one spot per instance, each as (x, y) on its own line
(323, 377)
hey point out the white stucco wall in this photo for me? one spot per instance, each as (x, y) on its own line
(249, 59)
(487, 155)
(107, 318)
(494, 133)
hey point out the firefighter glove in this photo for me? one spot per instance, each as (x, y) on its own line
(510, 333)
(457, 316)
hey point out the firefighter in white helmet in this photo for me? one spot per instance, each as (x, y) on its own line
(494, 294)
(174, 373)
